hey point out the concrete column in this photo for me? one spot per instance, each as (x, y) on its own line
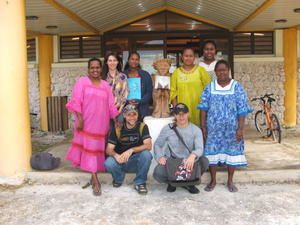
(45, 62)
(15, 141)
(290, 68)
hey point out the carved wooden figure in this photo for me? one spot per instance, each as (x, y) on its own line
(161, 88)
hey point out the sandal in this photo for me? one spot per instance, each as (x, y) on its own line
(209, 188)
(232, 188)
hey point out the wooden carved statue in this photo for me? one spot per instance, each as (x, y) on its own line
(161, 88)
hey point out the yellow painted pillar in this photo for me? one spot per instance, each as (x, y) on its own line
(45, 43)
(15, 141)
(290, 69)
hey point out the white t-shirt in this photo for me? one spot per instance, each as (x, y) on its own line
(210, 68)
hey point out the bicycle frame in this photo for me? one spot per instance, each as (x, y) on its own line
(267, 109)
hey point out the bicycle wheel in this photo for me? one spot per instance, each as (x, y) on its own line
(276, 131)
(261, 123)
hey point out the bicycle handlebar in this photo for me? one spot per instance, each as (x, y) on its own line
(268, 96)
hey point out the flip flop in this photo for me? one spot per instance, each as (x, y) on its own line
(86, 185)
(209, 188)
(232, 188)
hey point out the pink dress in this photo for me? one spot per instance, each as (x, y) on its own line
(96, 105)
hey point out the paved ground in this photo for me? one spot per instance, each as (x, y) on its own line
(50, 200)
(69, 204)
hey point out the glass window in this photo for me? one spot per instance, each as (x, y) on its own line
(31, 50)
(73, 47)
(258, 43)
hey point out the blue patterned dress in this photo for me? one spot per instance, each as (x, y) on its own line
(224, 105)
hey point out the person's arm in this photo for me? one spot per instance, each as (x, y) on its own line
(147, 145)
(80, 123)
(148, 88)
(110, 150)
(197, 152)
(161, 144)
(203, 123)
(243, 108)
(173, 90)
(124, 94)
(240, 130)
(74, 105)
(111, 145)
(205, 77)
(113, 111)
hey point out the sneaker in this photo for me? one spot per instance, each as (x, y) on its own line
(192, 189)
(116, 185)
(141, 189)
(171, 188)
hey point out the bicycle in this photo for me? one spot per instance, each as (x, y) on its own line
(266, 121)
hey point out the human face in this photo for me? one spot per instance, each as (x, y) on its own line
(134, 61)
(209, 51)
(182, 119)
(112, 62)
(94, 69)
(222, 72)
(131, 118)
(188, 57)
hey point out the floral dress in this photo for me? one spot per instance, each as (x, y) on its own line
(224, 106)
(120, 89)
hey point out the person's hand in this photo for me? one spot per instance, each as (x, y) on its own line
(118, 123)
(189, 162)
(239, 134)
(80, 124)
(125, 155)
(162, 161)
(118, 158)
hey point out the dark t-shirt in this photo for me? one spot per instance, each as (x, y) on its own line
(129, 138)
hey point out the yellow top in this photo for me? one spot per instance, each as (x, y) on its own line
(188, 86)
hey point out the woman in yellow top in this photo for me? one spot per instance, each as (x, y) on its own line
(187, 84)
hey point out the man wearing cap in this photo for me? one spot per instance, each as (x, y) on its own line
(129, 150)
(168, 144)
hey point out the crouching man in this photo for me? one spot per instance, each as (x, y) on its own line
(186, 144)
(129, 151)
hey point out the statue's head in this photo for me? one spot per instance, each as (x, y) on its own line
(162, 66)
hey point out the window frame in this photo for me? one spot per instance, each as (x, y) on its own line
(253, 51)
(81, 48)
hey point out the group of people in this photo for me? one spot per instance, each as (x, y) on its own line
(109, 134)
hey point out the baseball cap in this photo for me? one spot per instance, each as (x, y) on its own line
(180, 107)
(130, 108)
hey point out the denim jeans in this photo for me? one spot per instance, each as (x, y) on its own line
(138, 163)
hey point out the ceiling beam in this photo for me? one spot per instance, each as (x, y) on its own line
(254, 14)
(72, 16)
(196, 17)
(140, 17)
(161, 9)
(254, 29)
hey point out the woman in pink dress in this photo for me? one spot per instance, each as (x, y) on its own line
(93, 105)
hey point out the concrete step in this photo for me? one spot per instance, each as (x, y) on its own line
(241, 176)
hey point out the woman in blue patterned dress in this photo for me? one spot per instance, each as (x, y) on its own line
(224, 106)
